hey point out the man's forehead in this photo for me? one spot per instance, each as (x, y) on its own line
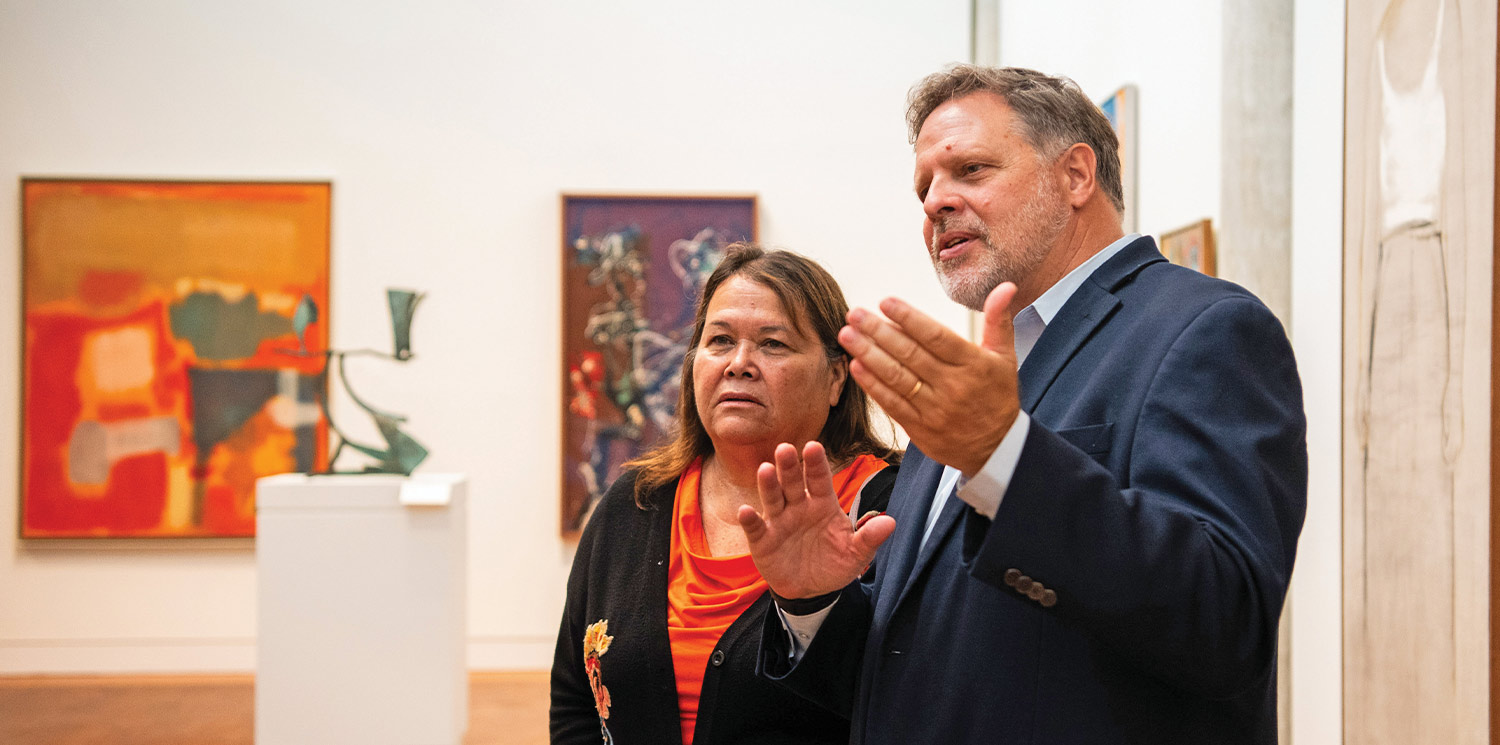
(979, 109)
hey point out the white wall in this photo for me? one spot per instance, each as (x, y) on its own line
(1173, 52)
(449, 129)
(1104, 44)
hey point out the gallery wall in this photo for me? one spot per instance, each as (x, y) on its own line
(448, 130)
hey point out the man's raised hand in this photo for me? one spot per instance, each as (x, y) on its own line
(954, 398)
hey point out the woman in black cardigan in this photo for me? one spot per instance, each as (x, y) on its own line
(650, 649)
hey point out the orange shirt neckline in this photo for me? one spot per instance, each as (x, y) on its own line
(706, 594)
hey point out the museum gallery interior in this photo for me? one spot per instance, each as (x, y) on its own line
(333, 321)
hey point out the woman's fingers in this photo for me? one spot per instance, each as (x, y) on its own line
(817, 475)
(872, 533)
(751, 523)
(772, 497)
(789, 472)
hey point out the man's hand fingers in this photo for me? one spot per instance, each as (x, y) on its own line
(895, 404)
(893, 339)
(937, 340)
(878, 362)
(999, 334)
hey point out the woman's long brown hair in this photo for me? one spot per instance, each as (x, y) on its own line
(808, 294)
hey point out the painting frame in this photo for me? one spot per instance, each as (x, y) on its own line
(160, 374)
(631, 266)
(1191, 246)
(1121, 108)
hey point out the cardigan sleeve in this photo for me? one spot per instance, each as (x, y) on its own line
(573, 716)
(828, 672)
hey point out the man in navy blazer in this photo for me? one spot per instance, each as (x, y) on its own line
(1094, 548)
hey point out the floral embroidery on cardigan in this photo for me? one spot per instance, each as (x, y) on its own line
(596, 641)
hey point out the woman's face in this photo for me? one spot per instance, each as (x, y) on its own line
(759, 381)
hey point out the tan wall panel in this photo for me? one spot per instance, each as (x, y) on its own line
(1419, 236)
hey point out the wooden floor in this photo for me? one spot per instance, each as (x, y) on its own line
(506, 708)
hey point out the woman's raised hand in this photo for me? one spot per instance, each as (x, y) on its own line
(801, 540)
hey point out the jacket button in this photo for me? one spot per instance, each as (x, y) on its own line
(1012, 576)
(1024, 583)
(1049, 599)
(1036, 591)
(718, 658)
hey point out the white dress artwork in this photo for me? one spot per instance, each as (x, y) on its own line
(1409, 383)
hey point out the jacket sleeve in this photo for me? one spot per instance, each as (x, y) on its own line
(1184, 568)
(573, 718)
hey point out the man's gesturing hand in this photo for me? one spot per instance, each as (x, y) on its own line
(955, 399)
(801, 540)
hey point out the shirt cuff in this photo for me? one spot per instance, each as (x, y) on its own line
(984, 491)
(801, 629)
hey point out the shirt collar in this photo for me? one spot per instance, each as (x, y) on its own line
(1052, 301)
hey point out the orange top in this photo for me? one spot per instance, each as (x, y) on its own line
(706, 593)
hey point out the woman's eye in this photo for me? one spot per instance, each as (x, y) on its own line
(718, 340)
(775, 344)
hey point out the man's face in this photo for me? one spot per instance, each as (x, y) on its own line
(994, 208)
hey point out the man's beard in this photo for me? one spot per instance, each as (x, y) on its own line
(969, 279)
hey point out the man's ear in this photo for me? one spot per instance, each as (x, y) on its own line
(1076, 166)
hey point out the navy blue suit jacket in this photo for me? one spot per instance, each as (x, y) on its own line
(1128, 589)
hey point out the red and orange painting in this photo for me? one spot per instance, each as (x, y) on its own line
(160, 368)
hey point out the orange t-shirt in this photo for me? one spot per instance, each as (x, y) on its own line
(706, 593)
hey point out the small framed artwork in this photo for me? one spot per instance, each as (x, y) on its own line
(1191, 246)
(632, 269)
(159, 379)
(1120, 109)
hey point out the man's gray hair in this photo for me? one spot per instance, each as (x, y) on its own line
(1052, 114)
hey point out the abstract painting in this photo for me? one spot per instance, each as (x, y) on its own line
(1191, 246)
(633, 267)
(1120, 109)
(160, 374)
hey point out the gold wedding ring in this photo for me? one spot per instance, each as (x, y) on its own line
(915, 389)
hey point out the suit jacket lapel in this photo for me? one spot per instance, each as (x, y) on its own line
(946, 519)
(916, 485)
(1092, 303)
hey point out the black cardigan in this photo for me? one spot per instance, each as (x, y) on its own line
(620, 575)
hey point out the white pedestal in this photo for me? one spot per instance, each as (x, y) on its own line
(362, 622)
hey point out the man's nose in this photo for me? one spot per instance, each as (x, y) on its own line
(940, 200)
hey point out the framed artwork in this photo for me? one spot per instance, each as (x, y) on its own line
(632, 269)
(157, 377)
(1120, 108)
(1191, 246)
